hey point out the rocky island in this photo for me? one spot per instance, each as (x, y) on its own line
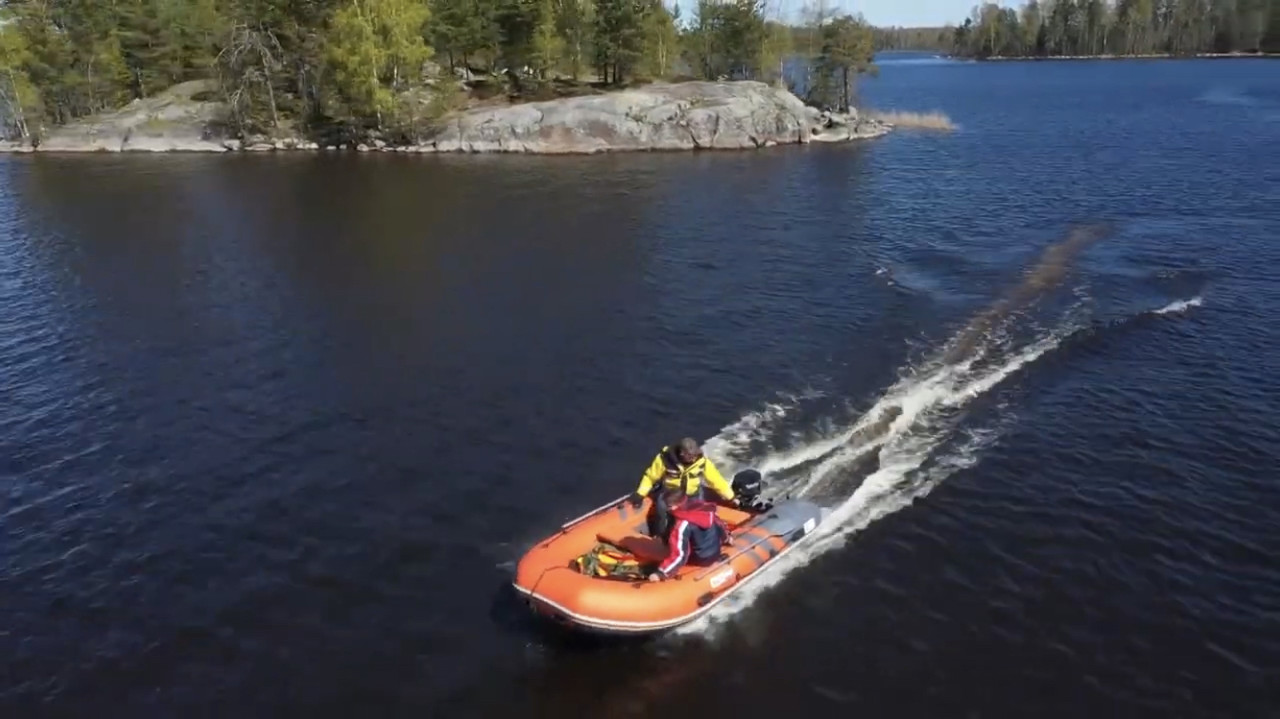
(689, 115)
(425, 76)
(662, 116)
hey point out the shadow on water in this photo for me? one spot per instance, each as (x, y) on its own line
(1054, 263)
(636, 672)
(511, 614)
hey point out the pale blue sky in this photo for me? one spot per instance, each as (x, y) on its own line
(912, 13)
(906, 13)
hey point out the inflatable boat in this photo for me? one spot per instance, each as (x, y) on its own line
(592, 574)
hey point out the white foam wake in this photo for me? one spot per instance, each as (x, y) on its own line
(735, 441)
(928, 421)
(917, 449)
(1179, 306)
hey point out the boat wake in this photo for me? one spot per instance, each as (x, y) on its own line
(912, 438)
(1179, 306)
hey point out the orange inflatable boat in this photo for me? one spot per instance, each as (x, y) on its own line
(591, 575)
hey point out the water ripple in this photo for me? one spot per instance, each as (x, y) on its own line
(275, 429)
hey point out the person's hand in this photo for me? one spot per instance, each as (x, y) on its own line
(655, 577)
(636, 499)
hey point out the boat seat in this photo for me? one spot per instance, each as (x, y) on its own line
(646, 549)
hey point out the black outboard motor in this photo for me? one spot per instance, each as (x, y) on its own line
(747, 486)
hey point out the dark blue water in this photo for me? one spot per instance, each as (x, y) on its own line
(275, 429)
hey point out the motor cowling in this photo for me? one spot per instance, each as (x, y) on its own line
(747, 486)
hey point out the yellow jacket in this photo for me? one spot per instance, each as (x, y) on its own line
(668, 470)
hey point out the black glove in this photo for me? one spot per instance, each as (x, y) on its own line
(636, 499)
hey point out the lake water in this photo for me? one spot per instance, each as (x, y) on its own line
(275, 429)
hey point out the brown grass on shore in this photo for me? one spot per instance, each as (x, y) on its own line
(924, 120)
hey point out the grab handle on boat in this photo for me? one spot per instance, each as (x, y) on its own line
(606, 505)
(734, 556)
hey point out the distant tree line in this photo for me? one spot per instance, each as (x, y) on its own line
(933, 39)
(384, 65)
(1043, 28)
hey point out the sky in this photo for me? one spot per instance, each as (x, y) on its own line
(884, 13)
(911, 13)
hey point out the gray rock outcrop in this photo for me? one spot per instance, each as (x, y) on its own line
(843, 127)
(174, 120)
(661, 116)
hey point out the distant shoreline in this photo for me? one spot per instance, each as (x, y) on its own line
(1144, 56)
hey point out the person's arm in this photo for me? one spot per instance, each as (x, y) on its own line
(651, 476)
(726, 536)
(717, 482)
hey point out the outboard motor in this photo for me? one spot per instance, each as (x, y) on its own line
(747, 486)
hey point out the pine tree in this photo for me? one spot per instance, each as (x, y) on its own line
(547, 45)
(619, 37)
(462, 29)
(846, 52)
